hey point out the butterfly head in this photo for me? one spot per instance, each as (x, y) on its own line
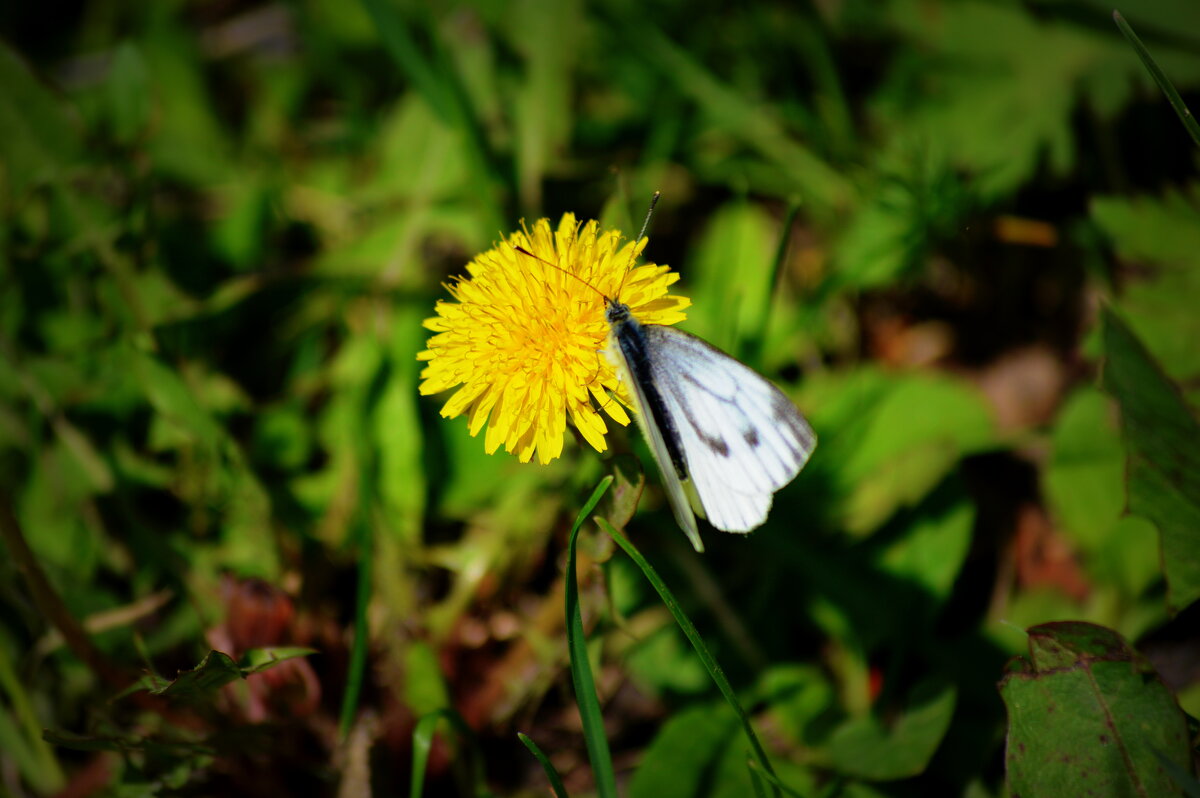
(616, 312)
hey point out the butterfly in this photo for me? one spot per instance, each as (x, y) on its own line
(725, 439)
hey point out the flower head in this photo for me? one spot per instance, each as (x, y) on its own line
(523, 337)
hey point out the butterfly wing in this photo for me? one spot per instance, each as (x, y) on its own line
(742, 439)
(679, 495)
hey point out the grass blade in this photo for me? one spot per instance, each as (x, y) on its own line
(358, 650)
(771, 778)
(1160, 77)
(555, 782)
(439, 86)
(423, 744)
(693, 636)
(581, 669)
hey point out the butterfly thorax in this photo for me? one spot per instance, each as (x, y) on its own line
(629, 350)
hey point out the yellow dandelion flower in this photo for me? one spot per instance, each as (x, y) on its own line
(523, 339)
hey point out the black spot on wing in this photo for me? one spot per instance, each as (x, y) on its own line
(751, 437)
(714, 442)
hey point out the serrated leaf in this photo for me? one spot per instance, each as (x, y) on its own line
(1005, 84)
(1163, 440)
(1085, 708)
(216, 670)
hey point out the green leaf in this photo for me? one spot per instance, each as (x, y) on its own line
(424, 686)
(931, 551)
(217, 670)
(1003, 84)
(1084, 484)
(1084, 479)
(1086, 708)
(1163, 440)
(730, 278)
(38, 140)
(802, 702)
(189, 141)
(128, 89)
(664, 662)
(423, 744)
(897, 438)
(677, 761)
(689, 630)
(551, 774)
(868, 748)
(1164, 233)
(915, 196)
(727, 108)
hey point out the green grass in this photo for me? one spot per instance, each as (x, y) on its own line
(962, 236)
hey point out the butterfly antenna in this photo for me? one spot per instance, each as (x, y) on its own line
(649, 213)
(526, 252)
(641, 234)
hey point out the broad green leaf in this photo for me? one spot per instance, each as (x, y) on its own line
(677, 760)
(1086, 708)
(1084, 479)
(729, 279)
(896, 438)
(871, 749)
(51, 511)
(803, 702)
(424, 686)
(397, 432)
(174, 400)
(930, 553)
(664, 662)
(1163, 441)
(1163, 233)
(1084, 484)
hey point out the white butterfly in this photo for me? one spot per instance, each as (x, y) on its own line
(725, 438)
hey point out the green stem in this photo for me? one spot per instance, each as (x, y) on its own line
(1160, 77)
(49, 603)
(581, 669)
(706, 658)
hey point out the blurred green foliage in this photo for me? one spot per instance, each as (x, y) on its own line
(221, 225)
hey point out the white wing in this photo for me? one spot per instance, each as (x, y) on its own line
(741, 437)
(677, 494)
